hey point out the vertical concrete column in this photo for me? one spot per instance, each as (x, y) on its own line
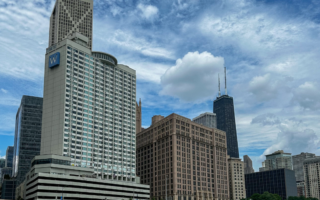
(174, 156)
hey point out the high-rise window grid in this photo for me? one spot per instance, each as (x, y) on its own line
(104, 113)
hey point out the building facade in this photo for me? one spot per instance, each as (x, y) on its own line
(138, 117)
(89, 103)
(8, 189)
(27, 139)
(278, 160)
(224, 109)
(247, 165)
(297, 163)
(301, 189)
(311, 170)
(9, 156)
(183, 159)
(53, 176)
(2, 163)
(89, 109)
(278, 181)
(206, 119)
(237, 184)
(69, 17)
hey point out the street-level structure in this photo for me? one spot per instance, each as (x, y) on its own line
(277, 181)
(181, 159)
(53, 176)
(237, 184)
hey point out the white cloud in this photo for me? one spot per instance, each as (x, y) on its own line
(193, 78)
(127, 41)
(148, 12)
(307, 96)
(294, 137)
(266, 119)
(3, 90)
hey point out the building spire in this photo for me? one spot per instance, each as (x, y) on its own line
(219, 85)
(225, 81)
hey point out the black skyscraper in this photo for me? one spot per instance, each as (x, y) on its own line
(224, 109)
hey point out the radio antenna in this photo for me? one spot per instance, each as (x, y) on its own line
(225, 81)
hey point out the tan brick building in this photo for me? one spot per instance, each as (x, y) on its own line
(236, 179)
(192, 157)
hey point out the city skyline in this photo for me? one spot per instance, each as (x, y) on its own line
(264, 112)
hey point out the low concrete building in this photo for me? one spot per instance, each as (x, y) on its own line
(53, 176)
(237, 184)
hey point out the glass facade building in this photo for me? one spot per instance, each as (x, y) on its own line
(2, 163)
(9, 156)
(27, 139)
(8, 189)
(278, 160)
(224, 109)
(279, 181)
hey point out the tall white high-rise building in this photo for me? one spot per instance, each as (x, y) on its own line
(71, 16)
(89, 107)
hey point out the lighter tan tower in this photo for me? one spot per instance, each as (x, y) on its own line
(71, 16)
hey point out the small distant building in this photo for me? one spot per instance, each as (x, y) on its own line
(9, 156)
(301, 189)
(263, 168)
(297, 162)
(2, 163)
(206, 119)
(237, 184)
(247, 165)
(277, 181)
(278, 160)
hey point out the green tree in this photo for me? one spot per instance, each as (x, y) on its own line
(255, 196)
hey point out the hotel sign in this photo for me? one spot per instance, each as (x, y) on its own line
(54, 60)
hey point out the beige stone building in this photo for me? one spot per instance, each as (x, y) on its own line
(184, 159)
(236, 179)
(311, 168)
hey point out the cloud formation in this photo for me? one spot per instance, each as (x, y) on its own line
(307, 96)
(193, 78)
(268, 119)
(148, 12)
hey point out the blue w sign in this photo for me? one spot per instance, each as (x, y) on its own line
(54, 60)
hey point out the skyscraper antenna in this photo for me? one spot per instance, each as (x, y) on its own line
(225, 81)
(219, 85)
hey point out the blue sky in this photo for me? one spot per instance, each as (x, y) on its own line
(270, 48)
